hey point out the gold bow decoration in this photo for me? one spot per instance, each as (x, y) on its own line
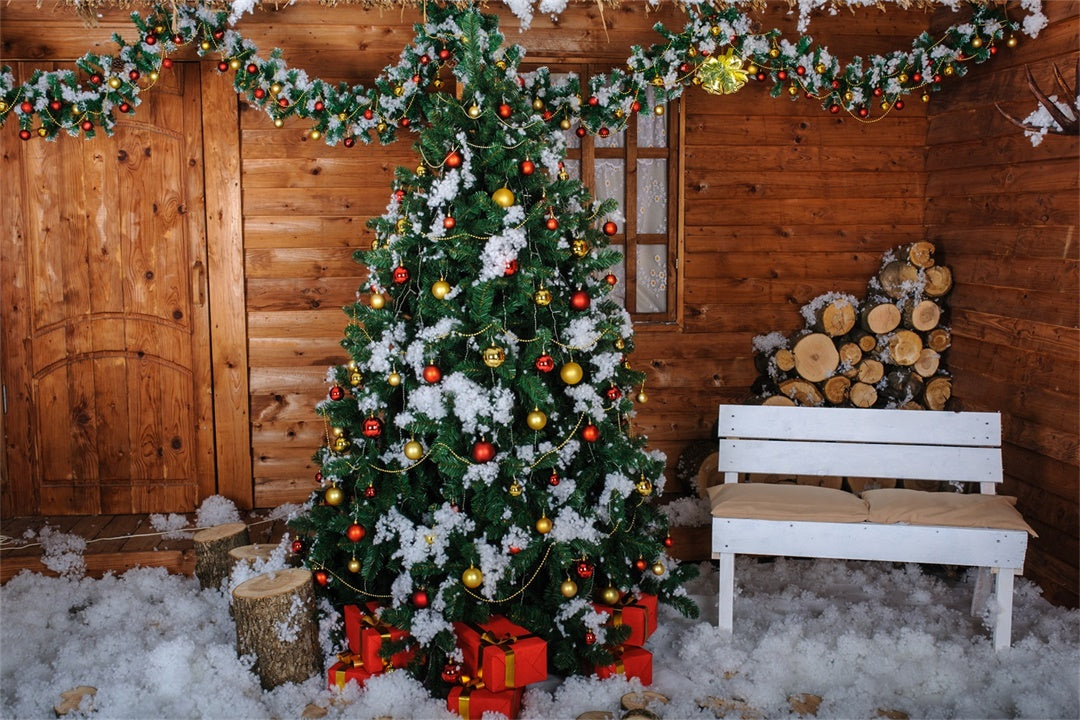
(505, 643)
(722, 74)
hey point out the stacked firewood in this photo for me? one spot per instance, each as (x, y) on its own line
(882, 351)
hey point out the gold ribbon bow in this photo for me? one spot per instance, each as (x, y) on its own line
(506, 643)
(352, 659)
(722, 74)
(629, 601)
(463, 698)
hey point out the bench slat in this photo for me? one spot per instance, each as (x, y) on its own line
(912, 462)
(970, 547)
(851, 425)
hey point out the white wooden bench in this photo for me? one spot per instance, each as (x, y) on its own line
(895, 525)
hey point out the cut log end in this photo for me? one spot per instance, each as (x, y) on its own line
(816, 357)
(802, 392)
(212, 546)
(905, 347)
(936, 392)
(880, 318)
(863, 395)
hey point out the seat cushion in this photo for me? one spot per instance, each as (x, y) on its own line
(919, 507)
(769, 501)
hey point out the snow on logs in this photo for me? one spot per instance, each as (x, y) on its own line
(212, 546)
(882, 351)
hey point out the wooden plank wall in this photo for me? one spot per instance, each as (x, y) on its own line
(1005, 216)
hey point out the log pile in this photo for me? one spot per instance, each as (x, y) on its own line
(881, 351)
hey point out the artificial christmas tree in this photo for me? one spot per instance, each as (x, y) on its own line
(480, 459)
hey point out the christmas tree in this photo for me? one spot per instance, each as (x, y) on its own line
(480, 456)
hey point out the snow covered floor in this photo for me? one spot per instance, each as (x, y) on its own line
(864, 637)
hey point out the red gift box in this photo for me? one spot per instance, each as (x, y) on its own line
(633, 662)
(472, 702)
(349, 667)
(638, 612)
(366, 634)
(502, 654)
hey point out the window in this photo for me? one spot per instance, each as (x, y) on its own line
(639, 168)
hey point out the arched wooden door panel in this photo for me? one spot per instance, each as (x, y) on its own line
(105, 322)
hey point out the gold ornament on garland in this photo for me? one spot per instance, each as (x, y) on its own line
(472, 578)
(515, 489)
(610, 595)
(494, 356)
(568, 588)
(413, 450)
(722, 74)
(334, 496)
(503, 197)
(536, 420)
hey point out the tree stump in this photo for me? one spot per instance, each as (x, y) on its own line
(212, 546)
(275, 621)
(816, 357)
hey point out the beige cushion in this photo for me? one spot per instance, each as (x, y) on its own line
(763, 501)
(919, 507)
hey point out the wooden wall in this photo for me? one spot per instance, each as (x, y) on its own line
(1005, 216)
(783, 202)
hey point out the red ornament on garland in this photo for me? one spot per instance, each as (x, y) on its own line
(635, 106)
(432, 374)
(453, 160)
(401, 275)
(781, 75)
(222, 66)
(449, 222)
(610, 279)
(610, 228)
(444, 54)
(424, 59)
(511, 268)
(835, 84)
(590, 638)
(319, 106)
(528, 167)
(513, 549)
(505, 111)
(668, 542)
(554, 480)
(87, 126)
(336, 393)
(834, 108)
(899, 105)
(584, 570)
(252, 68)
(640, 564)
(581, 132)
(372, 427)
(613, 393)
(603, 132)
(420, 599)
(259, 93)
(349, 141)
(55, 106)
(451, 673)
(483, 451)
(368, 114)
(580, 300)
(545, 363)
(355, 532)
(369, 492)
(25, 134)
(95, 79)
(552, 223)
(593, 100)
(297, 546)
(322, 578)
(590, 433)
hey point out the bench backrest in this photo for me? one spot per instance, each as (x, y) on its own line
(856, 442)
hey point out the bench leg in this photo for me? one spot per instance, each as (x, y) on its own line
(726, 600)
(982, 591)
(1003, 591)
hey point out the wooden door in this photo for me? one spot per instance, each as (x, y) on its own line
(105, 330)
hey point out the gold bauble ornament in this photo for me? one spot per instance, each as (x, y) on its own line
(610, 595)
(793, 90)
(440, 289)
(342, 117)
(278, 122)
(563, 175)
(1012, 41)
(398, 91)
(848, 96)
(976, 42)
(642, 397)
(421, 171)
(154, 76)
(380, 128)
(341, 444)
(42, 132)
(774, 53)
(542, 297)
(473, 111)
(723, 75)
(503, 197)
(926, 97)
(314, 134)
(568, 588)
(334, 496)
(413, 450)
(377, 301)
(234, 64)
(658, 568)
(564, 124)
(515, 489)
(580, 248)
(114, 82)
(538, 104)
(658, 110)
(543, 525)
(205, 45)
(714, 30)
(402, 225)
(494, 356)
(571, 373)
(3, 106)
(355, 378)
(472, 578)
(820, 68)
(949, 70)
(275, 89)
(902, 78)
(644, 487)
(536, 420)
(885, 106)
(394, 379)
(354, 566)
(429, 539)
(620, 343)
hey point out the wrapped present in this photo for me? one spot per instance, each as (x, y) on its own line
(366, 633)
(630, 661)
(638, 612)
(348, 667)
(473, 701)
(502, 654)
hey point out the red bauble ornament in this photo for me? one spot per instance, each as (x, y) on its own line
(26, 106)
(590, 638)
(835, 84)
(554, 479)
(611, 279)
(124, 107)
(483, 451)
(580, 300)
(355, 532)
(260, 93)
(635, 106)
(219, 34)
(590, 433)
(151, 40)
(368, 114)
(420, 599)
(297, 546)
(834, 108)
(319, 106)
(800, 70)
(55, 106)
(603, 132)
(581, 132)
(453, 160)
(222, 66)
(134, 75)
(613, 393)
(252, 68)
(321, 577)
(451, 672)
(444, 54)
(87, 125)
(336, 393)
(399, 195)
(432, 374)
(545, 363)
(283, 102)
(760, 77)
(552, 223)
(610, 228)
(372, 427)
(401, 275)
(640, 564)
(863, 112)
(584, 570)
(369, 491)
(593, 100)
(668, 542)
(937, 78)
(781, 75)
(424, 59)
(513, 549)
(899, 105)
(95, 79)
(917, 77)
(505, 111)
(349, 141)
(528, 167)
(878, 92)
(318, 477)
(449, 223)
(25, 134)
(511, 268)
(178, 39)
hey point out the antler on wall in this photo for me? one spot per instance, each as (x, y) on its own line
(1067, 121)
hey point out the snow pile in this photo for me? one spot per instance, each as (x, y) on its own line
(862, 636)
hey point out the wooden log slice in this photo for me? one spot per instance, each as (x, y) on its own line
(898, 278)
(275, 621)
(928, 363)
(212, 546)
(836, 389)
(938, 281)
(816, 357)
(246, 555)
(903, 385)
(920, 254)
(922, 316)
(871, 371)
(778, 400)
(643, 700)
(880, 318)
(862, 395)
(904, 347)
(850, 354)
(785, 360)
(937, 391)
(802, 392)
(865, 340)
(939, 339)
(835, 318)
